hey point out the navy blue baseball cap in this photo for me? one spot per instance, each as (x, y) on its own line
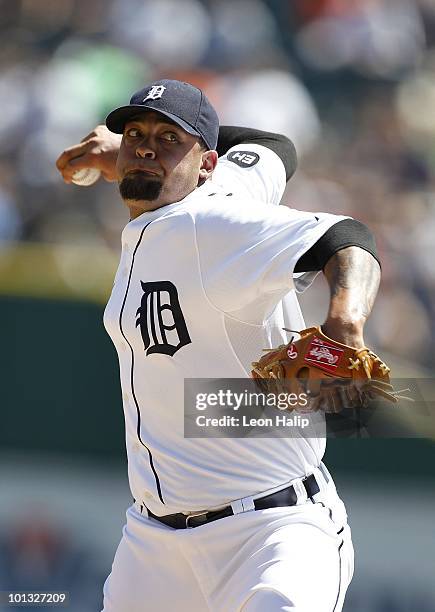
(185, 104)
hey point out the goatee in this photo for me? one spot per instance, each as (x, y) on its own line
(138, 186)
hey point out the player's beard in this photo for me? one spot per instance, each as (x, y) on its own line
(138, 186)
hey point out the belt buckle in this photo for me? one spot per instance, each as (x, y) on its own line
(194, 515)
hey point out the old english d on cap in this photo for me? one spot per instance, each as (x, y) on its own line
(185, 104)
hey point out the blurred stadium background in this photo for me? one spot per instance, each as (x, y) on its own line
(352, 82)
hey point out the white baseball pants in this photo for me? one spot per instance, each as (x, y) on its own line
(297, 559)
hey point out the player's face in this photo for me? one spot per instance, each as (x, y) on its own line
(159, 163)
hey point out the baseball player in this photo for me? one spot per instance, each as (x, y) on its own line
(207, 278)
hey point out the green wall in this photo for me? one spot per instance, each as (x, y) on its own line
(59, 378)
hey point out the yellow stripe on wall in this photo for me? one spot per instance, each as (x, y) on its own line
(58, 271)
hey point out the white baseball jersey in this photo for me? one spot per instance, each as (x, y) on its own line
(250, 170)
(254, 171)
(197, 295)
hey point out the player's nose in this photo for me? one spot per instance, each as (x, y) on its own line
(145, 150)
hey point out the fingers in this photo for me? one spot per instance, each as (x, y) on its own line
(98, 149)
(74, 158)
(98, 131)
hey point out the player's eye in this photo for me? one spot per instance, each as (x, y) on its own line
(132, 132)
(170, 136)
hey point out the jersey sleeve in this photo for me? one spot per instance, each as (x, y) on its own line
(251, 171)
(247, 253)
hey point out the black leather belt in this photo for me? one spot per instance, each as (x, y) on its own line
(285, 497)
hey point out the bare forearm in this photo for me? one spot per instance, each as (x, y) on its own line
(353, 276)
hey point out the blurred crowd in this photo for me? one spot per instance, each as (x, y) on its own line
(36, 555)
(352, 82)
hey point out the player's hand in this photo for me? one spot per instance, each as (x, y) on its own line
(99, 150)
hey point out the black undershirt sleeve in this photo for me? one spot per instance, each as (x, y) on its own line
(230, 136)
(346, 233)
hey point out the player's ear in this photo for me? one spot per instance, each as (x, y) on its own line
(208, 164)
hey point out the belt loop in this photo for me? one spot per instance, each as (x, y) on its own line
(237, 507)
(324, 470)
(301, 492)
(247, 504)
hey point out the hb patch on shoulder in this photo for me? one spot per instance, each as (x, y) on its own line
(244, 159)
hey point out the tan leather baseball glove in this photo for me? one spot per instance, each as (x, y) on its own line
(333, 375)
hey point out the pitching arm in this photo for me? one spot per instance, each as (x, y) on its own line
(348, 257)
(353, 276)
